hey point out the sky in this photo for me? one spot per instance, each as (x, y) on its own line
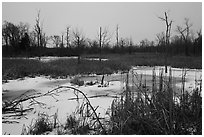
(135, 19)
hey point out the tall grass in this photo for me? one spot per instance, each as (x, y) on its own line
(157, 112)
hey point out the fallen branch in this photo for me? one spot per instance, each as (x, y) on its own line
(10, 122)
(95, 96)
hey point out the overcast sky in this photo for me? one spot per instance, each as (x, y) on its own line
(136, 20)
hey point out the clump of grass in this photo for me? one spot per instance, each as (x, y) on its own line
(73, 126)
(41, 125)
(77, 81)
(71, 122)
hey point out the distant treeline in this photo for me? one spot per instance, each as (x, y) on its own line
(19, 41)
(174, 49)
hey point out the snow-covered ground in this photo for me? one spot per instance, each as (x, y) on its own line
(61, 103)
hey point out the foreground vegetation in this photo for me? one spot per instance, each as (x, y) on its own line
(142, 111)
(159, 111)
(17, 68)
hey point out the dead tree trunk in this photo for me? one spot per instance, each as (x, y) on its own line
(67, 38)
(168, 29)
(117, 35)
(102, 80)
(78, 45)
(100, 43)
(38, 30)
(62, 41)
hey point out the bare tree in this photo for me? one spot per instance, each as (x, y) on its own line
(185, 34)
(62, 41)
(78, 40)
(122, 43)
(198, 43)
(56, 40)
(32, 35)
(45, 40)
(161, 38)
(100, 38)
(68, 36)
(168, 33)
(5, 34)
(144, 43)
(38, 29)
(117, 36)
(23, 28)
(12, 34)
(104, 39)
(130, 45)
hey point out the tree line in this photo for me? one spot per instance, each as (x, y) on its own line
(20, 40)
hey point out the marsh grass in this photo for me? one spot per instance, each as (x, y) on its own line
(156, 111)
(18, 68)
(153, 59)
